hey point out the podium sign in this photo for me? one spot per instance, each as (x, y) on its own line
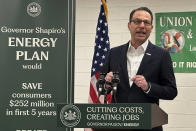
(113, 116)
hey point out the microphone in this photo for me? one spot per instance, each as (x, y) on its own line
(100, 83)
(116, 78)
(115, 81)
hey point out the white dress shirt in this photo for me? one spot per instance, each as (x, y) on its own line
(134, 58)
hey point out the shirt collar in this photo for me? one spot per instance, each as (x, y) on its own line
(144, 45)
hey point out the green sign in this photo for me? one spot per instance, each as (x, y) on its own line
(36, 62)
(175, 32)
(116, 116)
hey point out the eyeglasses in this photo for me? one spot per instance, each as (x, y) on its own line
(139, 21)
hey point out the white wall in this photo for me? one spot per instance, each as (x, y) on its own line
(182, 110)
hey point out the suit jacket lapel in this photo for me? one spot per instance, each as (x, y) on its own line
(124, 61)
(147, 57)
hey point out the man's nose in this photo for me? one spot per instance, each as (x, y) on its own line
(142, 24)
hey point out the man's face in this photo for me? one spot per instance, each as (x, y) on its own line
(140, 27)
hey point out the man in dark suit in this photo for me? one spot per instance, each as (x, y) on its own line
(145, 70)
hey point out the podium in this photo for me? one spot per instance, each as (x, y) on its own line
(111, 116)
(158, 116)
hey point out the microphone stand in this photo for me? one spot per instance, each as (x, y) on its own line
(107, 90)
(105, 97)
(100, 85)
(115, 82)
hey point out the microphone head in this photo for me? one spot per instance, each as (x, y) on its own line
(101, 79)
(116, 78)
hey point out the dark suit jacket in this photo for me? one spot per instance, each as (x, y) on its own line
(156, 67)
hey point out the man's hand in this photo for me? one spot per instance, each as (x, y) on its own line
(108, 79)
(141, 82)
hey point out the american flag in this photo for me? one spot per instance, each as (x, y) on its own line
(101, 49)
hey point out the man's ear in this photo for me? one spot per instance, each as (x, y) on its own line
(129, 25)
(152, 27)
